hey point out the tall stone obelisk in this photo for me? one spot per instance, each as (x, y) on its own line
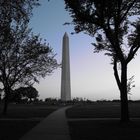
(65, 73)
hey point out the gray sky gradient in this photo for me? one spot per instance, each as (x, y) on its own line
(91, 74)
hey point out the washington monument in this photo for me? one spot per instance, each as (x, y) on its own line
(65, 74)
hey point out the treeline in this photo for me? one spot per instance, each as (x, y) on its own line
(27, 95)
(22, 95)
(74, 101)
(55, 101)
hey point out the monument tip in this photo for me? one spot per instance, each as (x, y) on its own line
(65, 35)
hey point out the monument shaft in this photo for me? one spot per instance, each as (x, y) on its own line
(65, 74)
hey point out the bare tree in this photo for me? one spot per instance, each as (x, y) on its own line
(116, 26)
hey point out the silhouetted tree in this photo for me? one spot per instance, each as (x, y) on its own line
(116, 27)
(28, 92)
(15, 97)
(1, 90)
(24, 57)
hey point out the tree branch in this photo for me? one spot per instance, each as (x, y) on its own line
(128, 8)
(132, 54)
(116, 74)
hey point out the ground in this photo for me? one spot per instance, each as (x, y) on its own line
(100, 121)
(21, 118)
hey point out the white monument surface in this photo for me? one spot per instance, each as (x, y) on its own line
(65, 73)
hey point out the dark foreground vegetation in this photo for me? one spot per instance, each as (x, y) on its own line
(104, 130)
(102, 109)
(101, 121)
(21, 118)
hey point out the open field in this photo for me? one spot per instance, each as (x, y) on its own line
(93, 122)
(21, 118)
(102, 110)
(86, 122)
(104, 130)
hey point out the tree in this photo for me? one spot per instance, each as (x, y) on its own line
(24, 57)
(15, 97)
(28, 92)
(116, 28)
(13, 16)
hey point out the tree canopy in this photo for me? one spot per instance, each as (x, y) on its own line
(24, 57)
(116, 27)
(29, 93)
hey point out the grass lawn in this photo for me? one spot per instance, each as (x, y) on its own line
(104, 130)
(21, 118)
(89, 129)
(102, 110)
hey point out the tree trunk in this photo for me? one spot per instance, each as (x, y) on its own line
(123, 94)
(5, 102)
(122, 85)
(30, 100)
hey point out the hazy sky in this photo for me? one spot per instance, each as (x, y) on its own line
(91, 74)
